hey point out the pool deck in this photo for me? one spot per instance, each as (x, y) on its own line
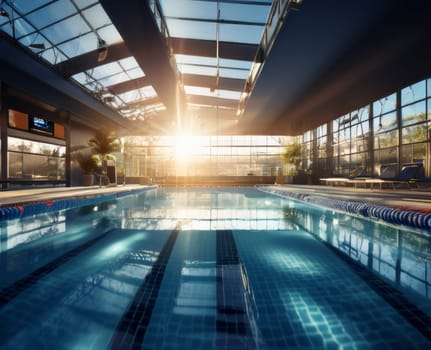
(11, 197)
(399, 198)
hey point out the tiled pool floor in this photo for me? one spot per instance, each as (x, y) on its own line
(209, 269)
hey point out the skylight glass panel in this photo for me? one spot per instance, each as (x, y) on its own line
(189, 8)
(53, 56)
(34, 39)
(72, 27)
(4, 21)
(141, 94)
(113, 79)
(135, 73)
(27, 6)
(143, 111)
(22, 28)
(208, 66)
(224, 62)
(106, 70)
(240, 73)
(190, 59)
(128, 63)
(97, 16)
(80, 45)
(84, 3)
(81, 78)
(234, 73)
(204, 91)
(110, 34)
(189, 69)
(244, 12)
(93, 86)
(240, 33)
(51, 13)
(87, 81)
(191, 29)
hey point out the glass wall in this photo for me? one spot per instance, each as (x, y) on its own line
(203, 155)
(414, 123)
(393, 130)
(350, 142)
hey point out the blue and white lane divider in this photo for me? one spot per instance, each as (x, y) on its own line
(399, 216)
(29, 209)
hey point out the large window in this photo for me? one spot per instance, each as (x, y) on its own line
(414, 124)
(392, 130)
(203, 156)
(31, 160)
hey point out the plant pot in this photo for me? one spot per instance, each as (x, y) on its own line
(87, 179)
(289, 179)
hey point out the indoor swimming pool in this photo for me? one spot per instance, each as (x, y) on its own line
(212, 268)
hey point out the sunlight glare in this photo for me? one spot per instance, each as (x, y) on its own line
(184, 146)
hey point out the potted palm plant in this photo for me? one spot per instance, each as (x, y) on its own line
(105, 142)
(290, 158)
(88, 163)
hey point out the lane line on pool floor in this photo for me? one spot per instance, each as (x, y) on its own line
(131, 329)
(10, 292)
(234, 323)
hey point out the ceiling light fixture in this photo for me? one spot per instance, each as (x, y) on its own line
(102, 49)
(295, 4)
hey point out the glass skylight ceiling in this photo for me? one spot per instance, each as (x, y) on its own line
(59, 31)
(218, 21)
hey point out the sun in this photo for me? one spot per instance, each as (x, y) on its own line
(184, 147)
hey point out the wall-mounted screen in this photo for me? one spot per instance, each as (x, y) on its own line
(40, 125)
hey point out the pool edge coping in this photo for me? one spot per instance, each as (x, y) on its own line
(25, 208)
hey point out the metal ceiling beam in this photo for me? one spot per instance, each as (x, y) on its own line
(89, 60)
(137, 26)
(128, 85)
(221, 21)
(243, 2)
(212, 101)
(211, 82)
(208, 48)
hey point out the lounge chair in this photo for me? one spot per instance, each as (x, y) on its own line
(355, 177)
(334, 180)
(406, 176)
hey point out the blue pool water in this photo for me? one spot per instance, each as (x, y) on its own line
(219, 268)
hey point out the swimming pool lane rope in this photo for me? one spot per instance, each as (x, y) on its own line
(398, 216)
(21, 210)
